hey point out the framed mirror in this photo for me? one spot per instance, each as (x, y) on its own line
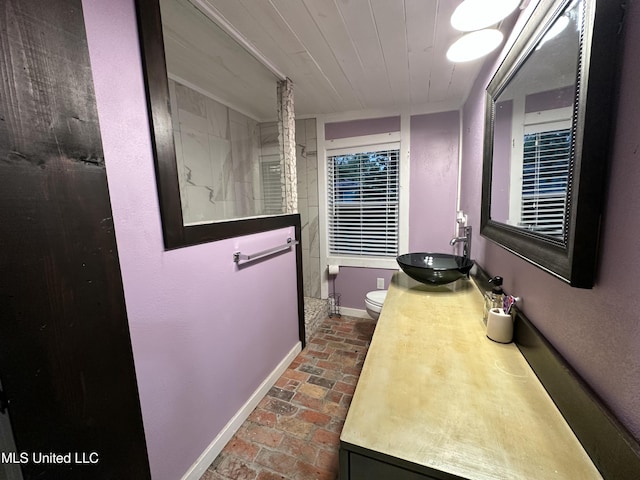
(547, 123)
(213, 110)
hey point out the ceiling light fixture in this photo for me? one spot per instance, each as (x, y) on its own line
(478, 14)
(474, 45)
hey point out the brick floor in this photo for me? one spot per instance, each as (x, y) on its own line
(294, 431)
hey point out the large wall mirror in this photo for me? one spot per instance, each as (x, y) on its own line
(547, 126)
(213, 110)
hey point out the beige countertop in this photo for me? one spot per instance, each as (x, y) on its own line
(435, 391)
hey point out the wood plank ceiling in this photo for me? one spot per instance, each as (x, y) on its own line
(342, 55)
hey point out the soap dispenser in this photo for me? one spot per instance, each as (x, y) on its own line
(493, 298)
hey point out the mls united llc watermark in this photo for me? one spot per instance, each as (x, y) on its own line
(50, 458)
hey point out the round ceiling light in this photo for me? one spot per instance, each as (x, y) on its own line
(477, 14)
(474, 45)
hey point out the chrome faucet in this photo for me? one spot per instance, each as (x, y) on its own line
(466, 239)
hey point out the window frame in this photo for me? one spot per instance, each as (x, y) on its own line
(379, 148)
(531, 122)
(363, 143)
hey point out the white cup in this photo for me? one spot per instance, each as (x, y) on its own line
(499, 326)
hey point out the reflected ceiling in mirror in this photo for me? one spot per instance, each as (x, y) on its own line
(223, 107)
(203, 56)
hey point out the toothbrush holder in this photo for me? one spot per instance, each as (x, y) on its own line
(499, 326)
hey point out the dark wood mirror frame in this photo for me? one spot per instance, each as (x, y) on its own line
(574, 259)
(176, 234)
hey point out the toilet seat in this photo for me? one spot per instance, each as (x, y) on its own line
(376, 297)
(373, 302)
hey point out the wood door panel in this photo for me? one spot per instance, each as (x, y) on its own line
(66, 362)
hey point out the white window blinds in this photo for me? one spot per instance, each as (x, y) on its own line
(363, 203)
(272, 187)
(545, 174)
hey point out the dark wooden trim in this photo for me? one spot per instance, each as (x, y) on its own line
(300, 285)
(612, 448)
(158, 103)
(347, 448)
(197, 234)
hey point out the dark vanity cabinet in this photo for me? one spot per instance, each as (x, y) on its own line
(376, 466)
(436, 399)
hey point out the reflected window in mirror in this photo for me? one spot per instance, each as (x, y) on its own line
(530, 190)
(547, 124)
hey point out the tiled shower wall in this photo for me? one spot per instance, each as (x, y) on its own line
(219, 158)
(220, 153)
(307, 170)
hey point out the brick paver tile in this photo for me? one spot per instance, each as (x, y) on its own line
(294, 432)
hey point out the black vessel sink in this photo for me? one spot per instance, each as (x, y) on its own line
(434, 268)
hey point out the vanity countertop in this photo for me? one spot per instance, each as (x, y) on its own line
(436, 392)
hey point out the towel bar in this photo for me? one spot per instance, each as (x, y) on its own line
(238, 256)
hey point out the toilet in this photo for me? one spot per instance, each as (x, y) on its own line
(373, 302)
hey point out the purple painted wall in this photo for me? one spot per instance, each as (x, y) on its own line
(355, 128)
(353, 283)
(434, 176)
(557, 98)
(204, 334)
(596, 330)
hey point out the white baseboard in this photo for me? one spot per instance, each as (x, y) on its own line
(354, 312)
(213, 450)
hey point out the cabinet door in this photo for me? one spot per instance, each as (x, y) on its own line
(366, 468)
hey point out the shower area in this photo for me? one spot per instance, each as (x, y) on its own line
(229, 166)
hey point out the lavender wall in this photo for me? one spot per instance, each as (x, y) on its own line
(353, 283)
(355, 128)
(204, 334)
(596, 330)
(434, 177)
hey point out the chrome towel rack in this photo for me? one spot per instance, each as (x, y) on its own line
(238, 256)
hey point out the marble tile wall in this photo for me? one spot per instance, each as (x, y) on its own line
(218, 152)
(270, 155)
(307, 173)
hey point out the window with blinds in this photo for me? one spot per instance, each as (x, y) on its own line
(272, 186)
(545, 174)
(363, 203)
